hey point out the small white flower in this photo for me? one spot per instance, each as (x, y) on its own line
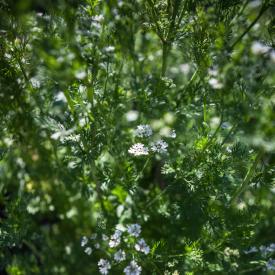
(134, 229)
(80, 74)
(142, 247)
(35, 82)
(120, 256)
(159, 146)
(213, 72)
(94, 236)
(104, 266)
(143, 130)
(60, 96)
(97, 245)
(272, 247)
(132, 115)
(215, 83)
(258, 48)
(84, 241)
(114, 242)
(88, 250)
(185, 68)
(98, 18)
(132, 269)
(138, 149)
(115, 239)
(173, 134)
(104, 237)
(109, 49)
(251, 250)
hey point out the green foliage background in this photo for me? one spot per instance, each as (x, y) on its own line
(70, 71)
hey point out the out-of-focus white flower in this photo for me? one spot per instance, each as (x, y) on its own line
(60, 97)
(132, 115)
(259, 48)
(120, 256)
(134, 229)
(93, 236)
(251, 250)
(272, 56)
(143, 130)
(109, 49)
(272, 247)
(97, 245)
(213, 72)
(185, 68)
(254, 4)
(104, 266)
(80, 74)
(215, 83)
(104, 237)
(88, 250)
(225, 125)
(270, 264)
(132, 269)
(142, 246)
(173, 134)
(98, 18)
(159, 146)
(138, 149)
(35, 82)
(84, 241)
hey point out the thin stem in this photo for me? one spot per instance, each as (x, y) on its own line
(247, 178)
(229, 134)
(34, 250)
(262, 11)
(142, 170)
(165, 51)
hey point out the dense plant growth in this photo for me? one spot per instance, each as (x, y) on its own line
(137, 137)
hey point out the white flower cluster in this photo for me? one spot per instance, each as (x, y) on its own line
(258, 48)
(213, 81)
(123, 237)
(104, 266)
(270, 264)
(159, 146)
(134, 229)
(87, 248)
(265, 251)
(132, 269)
(138, 149)
(143, 130)
(142, 247)
(115, 239)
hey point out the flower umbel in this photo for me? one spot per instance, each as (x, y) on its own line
(142, 247)
(138, 149)
(134, 229)
(159, 146)
(120, 256)
(143, 130)
(104, 266)
(88, 250)
(132, 269)
(115, 239)
(84, 241)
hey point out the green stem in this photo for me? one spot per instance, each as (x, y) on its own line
(247, 178)
(165, 52)
(262, 11)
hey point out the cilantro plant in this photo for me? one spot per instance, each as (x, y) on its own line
(137, 137)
